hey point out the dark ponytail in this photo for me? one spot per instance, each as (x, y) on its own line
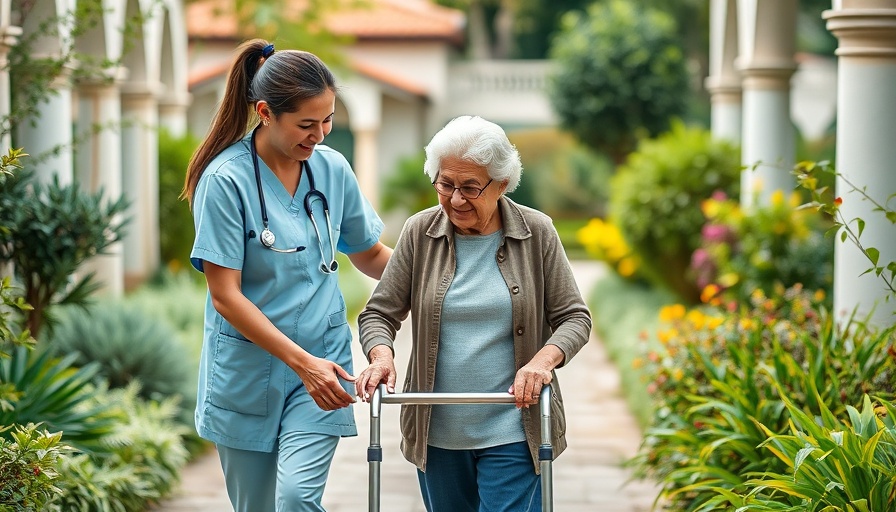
(231, 122)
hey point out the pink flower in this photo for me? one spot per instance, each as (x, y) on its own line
(717, 233)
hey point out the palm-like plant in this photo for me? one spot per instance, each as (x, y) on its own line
(55, 394)
(51, 230)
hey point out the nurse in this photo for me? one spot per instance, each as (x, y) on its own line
(270, 208)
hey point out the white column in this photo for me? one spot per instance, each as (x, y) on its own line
(140, 181)
(364, 102)
(866, 145)
(98, 167)
(49, 139)
(767, 33)
(365, 164)
(8, 36)
(173, 113)
(723, 82)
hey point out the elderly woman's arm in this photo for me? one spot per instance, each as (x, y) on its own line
(570, 321)
(387, 307)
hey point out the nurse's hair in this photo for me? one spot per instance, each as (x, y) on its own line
(283, 79)
(475, 140)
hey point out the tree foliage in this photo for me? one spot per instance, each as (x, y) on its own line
(621, 75)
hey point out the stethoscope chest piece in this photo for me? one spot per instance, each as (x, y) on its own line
(267, 237)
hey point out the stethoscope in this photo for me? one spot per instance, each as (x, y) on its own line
(267, 236)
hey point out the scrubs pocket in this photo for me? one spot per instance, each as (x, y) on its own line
(241, 374)
(338, 336)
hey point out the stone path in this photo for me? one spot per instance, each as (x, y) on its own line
(588, 476)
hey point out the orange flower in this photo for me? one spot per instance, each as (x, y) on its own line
(838, 201)
(709, 292)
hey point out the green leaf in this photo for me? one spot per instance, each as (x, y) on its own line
(873, 255)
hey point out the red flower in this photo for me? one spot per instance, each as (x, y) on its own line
(838, 201)
(36, 470)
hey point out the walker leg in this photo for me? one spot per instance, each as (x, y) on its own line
(374, 454)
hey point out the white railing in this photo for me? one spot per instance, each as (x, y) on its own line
(509, 91)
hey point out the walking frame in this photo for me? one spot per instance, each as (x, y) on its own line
(375, 450)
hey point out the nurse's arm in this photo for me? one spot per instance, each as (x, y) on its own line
(373, 260)
(320, 376)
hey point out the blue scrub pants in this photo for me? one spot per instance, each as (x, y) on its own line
(289, 479)
(497, 479)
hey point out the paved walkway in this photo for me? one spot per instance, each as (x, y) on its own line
(587, 477)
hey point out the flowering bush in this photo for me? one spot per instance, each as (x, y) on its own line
(764, 248)
(604, 242)
(29, 463)
(720, 377)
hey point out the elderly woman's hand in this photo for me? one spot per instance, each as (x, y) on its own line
(380, 371)
(534, 375)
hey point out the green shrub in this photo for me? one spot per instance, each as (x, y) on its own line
(721, 379)
(620, 75)
(763, 248)
(139, 462)
(176, 239)
(53, 229)
(835, 465)
(128, 345)
(655, 201)
(561, 177)
(28, 468)
(408, 188)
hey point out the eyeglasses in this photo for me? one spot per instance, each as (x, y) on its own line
(467, 191)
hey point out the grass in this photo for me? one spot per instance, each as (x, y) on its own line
(626, 320)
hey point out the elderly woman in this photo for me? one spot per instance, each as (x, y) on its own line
(495, 308)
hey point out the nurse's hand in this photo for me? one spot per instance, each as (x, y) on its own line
(321, 378)
(380, 371)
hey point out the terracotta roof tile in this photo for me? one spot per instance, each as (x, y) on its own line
(378, 20)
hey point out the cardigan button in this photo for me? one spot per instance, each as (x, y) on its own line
(519, 331)
(515, 290)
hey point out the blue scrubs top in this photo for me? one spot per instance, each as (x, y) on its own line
(244, 390)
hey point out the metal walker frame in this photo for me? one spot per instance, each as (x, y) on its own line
(375, 450)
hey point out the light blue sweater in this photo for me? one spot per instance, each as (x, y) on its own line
(476, 351)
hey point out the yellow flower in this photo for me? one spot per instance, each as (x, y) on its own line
(677, 374)
(819, 295)
(746, 324)
(627, 267)
(710, 208)
(696, 318)
(714, 321)
(637, 362)
(672, 312)
(777, 198)
(729, 279)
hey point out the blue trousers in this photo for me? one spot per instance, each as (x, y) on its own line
(497, 479)
(289, 479)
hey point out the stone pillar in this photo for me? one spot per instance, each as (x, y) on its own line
(140, 180)
(723, 82)
(365, 164)
(866, 147)
(98, 167)
(173, 113)
(49, 139)
(767, 34)
(364, 103)
(8, 36)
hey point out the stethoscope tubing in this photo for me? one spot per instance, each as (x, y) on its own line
(267, 237)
